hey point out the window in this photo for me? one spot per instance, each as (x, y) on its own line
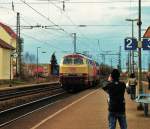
(72, 60)
(67, 60)
(90, 62)
(78, 61)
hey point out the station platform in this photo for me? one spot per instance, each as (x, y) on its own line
(90, 112)
(84, 110)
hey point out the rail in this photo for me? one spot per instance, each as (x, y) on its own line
(23, 91)
(17, 108)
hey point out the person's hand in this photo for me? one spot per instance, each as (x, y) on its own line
(109, 78)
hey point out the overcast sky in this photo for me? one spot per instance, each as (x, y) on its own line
(104, 20)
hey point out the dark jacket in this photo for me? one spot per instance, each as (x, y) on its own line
(116, 101)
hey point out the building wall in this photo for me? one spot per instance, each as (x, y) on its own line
(5, 55)
(6, 65)
(47, 69)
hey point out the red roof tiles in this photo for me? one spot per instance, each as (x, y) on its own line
(5, 45)
(8, 30)
(147, 33)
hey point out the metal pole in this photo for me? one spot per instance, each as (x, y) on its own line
(104, 62)
(131, 63)
(74, 42)
(132, 50)
(111, 63)
(119, 59)
(140, 107)
(17, 43)
(19, 49)
(139, 52)
(37, 65)
(130, 68)
(99, 51)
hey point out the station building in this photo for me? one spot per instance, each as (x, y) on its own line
(7, 47)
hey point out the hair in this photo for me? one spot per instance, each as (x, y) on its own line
(115, 74)
(132, 75)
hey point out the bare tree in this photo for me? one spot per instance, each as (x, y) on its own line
(29, 58)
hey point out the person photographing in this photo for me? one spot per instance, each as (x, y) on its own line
(116, 101)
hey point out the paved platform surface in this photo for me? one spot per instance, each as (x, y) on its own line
(85, 110)
(90, 112)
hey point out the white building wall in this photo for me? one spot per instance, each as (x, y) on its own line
(6, 64)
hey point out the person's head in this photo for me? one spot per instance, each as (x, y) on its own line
(132, 75)
(115, 74)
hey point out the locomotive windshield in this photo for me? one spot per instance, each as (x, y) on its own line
(72, 60)
(67, 60)
(78, 61)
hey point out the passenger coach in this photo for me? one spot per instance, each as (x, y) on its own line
(77, 72)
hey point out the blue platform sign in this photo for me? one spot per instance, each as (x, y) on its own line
(130, 43)
(146, 44)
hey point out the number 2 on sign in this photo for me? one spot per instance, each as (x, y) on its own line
(129, 41)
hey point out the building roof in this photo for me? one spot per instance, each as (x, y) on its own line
(147, 33)
(5, 45)
(8, 30)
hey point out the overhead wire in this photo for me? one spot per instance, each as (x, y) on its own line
(100, 2)
(46, 18)
(39, 40)
(63, 13)
(71, 22)
(27, 26)
(79, 2)
(67, 16)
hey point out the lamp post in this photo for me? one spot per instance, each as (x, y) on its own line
(74, 42)
(139, 23)
(37, 64)
(139, 51)
(131, 54)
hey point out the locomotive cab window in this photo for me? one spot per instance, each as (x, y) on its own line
(78, 61)
(67, 60)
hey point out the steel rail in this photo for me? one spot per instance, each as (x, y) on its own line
(26, 104)
(24, 92)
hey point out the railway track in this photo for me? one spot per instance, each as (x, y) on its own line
(14, 97)
(9, 115)
(16, 112)
(20, 92)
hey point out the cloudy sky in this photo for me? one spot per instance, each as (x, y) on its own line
(104, 20)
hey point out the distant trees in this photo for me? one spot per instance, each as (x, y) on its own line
(54, 65)
(105, 69)
(29, 58)
(28, 65)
